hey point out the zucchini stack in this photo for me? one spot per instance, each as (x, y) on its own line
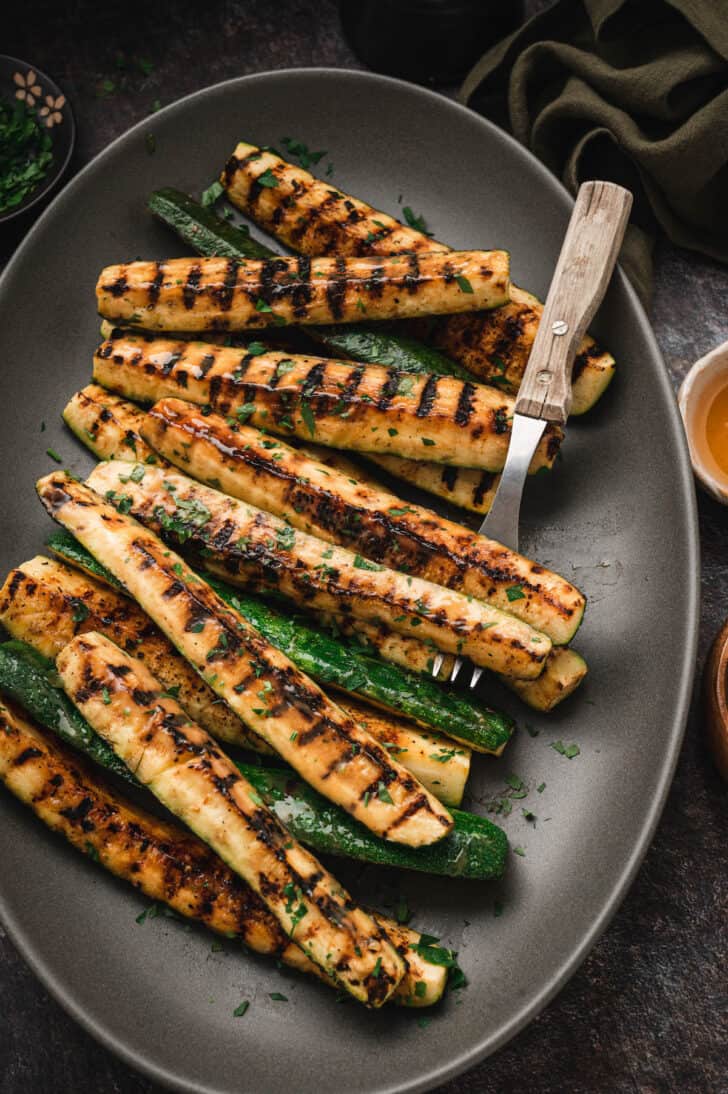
(236, 578)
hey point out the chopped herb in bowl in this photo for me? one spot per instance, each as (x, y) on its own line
(26, 154)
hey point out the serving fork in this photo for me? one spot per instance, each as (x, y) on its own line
(583, 271)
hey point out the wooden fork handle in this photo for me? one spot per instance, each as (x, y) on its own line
(585, 265)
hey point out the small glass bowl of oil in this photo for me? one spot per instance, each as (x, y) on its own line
(703, 402)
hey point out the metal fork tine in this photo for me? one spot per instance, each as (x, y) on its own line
(437, 665)
(456, 668)
(477, 673)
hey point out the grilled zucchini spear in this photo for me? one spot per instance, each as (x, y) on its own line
(339, 405)
(259, 683)
(245, 463)
(314, 218)
(45, 604)
(244, 545)
(109, 426)
(198, 294)
(348, 667)
(168, 864)
(184, 768)
(475, 848)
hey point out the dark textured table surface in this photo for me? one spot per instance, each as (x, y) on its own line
(647, 1010)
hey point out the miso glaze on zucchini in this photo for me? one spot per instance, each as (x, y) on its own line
(198, 294)
(367, 409)
(258, 682)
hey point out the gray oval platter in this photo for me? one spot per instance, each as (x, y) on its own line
(617, 517)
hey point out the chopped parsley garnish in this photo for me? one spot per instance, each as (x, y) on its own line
(278, 997)
(214, 191)
(241, 1008)
(570, 751)
(515, 592)
(300, 151)
(26, 153)
(267, 179)
(254, 349)
(400, 512)
(260, 305)
(105, 696)
(417, 222)
(308, 418)
(540, 789)
(463, 283)
(92, 852)
(428, 441)
(149, 913)
(54, 455)
(405, 385)
(383, 794)
(364, 564)
(245, 411)
(121, 502)
(519, 851)
(285, 537)
(80, 611)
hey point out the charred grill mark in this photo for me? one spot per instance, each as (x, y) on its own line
(169, 362)
(313, 380)
(144, 698)
(267, 288)
(354, 379)
(427, 398)
(485, 483)
(232, 167)
(78, 814)
(449, 477)
(308, 221)
(224, 295)
(374, 284)
(25, 755)
(389, 388)
(155, 286)
(465, 403)
(191, 288)
(336, 288)
(118, 287)
(417, 805)
(302, 291)
(412, 277)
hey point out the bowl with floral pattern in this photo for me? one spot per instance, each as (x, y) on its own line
(37, 135)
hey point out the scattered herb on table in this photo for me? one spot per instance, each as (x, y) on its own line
(26, 153)
(570, 751)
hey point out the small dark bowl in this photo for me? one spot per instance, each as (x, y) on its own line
(19, 80)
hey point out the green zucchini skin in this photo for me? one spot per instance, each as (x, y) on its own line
(211, 236)
(329, 661)
(32, 681)
(205, 232)
(475, 849)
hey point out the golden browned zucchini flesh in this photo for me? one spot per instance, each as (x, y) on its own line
(198, 294)
(186, 770)
(108, 425)
(46, 604)
(461, 486)
(337, 404)
(315, 218)
(257, 681)
(239, 542)
(245, 463)
(163, 860)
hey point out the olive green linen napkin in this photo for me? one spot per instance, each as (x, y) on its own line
(635, 91)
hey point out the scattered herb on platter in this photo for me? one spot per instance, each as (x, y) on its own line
(417, 222)
(26, 154)
(569, 751)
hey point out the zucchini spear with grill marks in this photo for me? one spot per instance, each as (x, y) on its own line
(315, 218)
(340, 405)
(184, 768)
(243, 462)
(166, 862)
(259, 683)
(476, 848)
(242, 544)
(46, 604)
(350, 668)
(198, 294)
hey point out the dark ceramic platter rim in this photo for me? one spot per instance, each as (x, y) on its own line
(59, 169)
(678, 674)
